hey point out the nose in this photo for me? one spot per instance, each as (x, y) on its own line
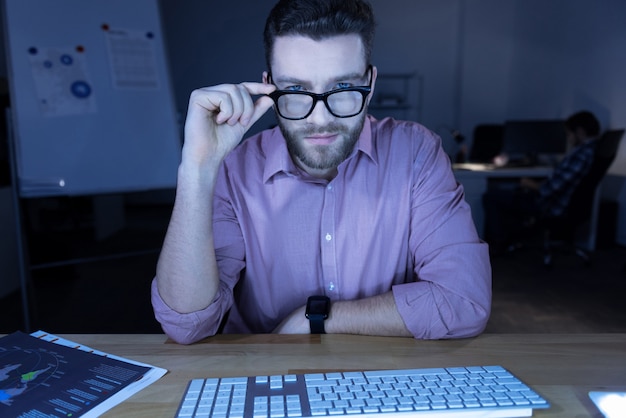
(320, 114)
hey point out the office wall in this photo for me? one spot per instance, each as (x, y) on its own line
(488, 53)
(423, 36)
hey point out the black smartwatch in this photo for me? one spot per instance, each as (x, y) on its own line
(317, 310)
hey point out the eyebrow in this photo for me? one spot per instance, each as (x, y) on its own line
(293, 80)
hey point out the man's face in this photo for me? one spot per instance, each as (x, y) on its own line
(321, 141)
(575, 137)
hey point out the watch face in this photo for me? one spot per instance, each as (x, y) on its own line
(318, 305)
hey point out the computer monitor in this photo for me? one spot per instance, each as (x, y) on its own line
(534, 140)
(486, 143)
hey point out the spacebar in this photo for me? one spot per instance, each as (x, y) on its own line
(407, 372)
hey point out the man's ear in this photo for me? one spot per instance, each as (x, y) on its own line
(374, 75)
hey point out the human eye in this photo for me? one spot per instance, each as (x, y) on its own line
(296, 87)
(343, 85)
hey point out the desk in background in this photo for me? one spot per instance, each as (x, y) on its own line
(562, 367)
(475, 180)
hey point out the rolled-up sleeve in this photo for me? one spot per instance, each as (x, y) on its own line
(447, 303)
(451, 294)
(187, 328)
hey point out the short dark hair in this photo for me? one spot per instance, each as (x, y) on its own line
(320, 19)
(584, 120)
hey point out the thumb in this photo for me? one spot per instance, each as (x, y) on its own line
(261, 106)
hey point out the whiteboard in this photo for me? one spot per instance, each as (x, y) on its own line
(92, 108)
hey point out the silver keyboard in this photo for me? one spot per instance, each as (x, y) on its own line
(489, 391)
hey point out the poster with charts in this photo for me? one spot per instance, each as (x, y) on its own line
(62, 81)
(40, 378)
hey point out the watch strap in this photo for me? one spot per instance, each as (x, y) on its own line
(316, 323)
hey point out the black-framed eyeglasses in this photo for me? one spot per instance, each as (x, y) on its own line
(342, 103)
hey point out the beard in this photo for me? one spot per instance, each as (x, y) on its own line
(322, 157)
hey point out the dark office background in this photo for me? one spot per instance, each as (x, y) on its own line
(472, 61)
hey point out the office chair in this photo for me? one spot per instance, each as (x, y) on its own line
(562, 229)
(486, 143)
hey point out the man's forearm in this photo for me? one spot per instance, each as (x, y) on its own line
(376, 315)
(187, 274)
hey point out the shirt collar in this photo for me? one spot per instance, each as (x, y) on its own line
(278, 159)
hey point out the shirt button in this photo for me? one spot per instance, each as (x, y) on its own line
(328, 237)
(329, 187)
(331, 286)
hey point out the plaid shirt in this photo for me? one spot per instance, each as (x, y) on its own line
(556, 192)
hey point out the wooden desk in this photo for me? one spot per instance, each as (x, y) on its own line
(561, 367)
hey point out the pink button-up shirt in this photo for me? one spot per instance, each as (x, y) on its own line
(393, 218)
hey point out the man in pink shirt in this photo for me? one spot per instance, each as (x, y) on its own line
(333, 221)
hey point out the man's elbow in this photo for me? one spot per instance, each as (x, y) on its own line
(473, 327)
(184, 335)
(470, 324)
(184, 328)
(465, 323)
